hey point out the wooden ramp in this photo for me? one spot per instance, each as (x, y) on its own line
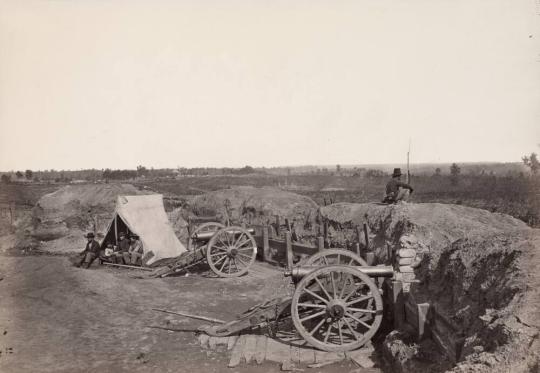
(286, 351)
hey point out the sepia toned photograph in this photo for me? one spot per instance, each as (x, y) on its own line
(259, 186)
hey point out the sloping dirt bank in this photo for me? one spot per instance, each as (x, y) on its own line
(60, 219)
(255, 205)
(478, 269)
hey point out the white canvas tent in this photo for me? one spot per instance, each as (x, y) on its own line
(145, 216)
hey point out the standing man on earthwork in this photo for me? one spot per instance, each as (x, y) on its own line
(90, 253)
(397, 190)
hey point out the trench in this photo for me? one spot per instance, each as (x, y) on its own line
(469, 286)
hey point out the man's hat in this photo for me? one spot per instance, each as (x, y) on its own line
(397, 172)
(90, 235)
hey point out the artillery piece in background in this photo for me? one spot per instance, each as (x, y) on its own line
(229, 251)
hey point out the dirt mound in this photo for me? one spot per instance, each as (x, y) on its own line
(60, 219)
(477, 269)
(177, 217)
(254, 205)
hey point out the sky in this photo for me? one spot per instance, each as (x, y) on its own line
(116, 84)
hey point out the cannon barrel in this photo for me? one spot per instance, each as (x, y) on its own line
(372, 271)
(206, 236)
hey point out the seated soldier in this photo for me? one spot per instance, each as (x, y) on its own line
(396, 190)
(90, 253)
(122, 250)
(136, 250)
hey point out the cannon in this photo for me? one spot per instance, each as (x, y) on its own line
(229, 251)
(336, 305)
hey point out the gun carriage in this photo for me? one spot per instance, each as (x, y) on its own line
(229, 251)
(336, 306)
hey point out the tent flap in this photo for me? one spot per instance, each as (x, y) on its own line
(145, 216)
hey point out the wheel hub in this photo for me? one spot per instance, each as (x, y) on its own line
(232, 252)
(336, 309)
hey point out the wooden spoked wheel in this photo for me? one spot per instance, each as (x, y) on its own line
(335, 257)
(203, 228)
(337, 308)
(231, 252)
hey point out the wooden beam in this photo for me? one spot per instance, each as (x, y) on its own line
(289, 250)
(266, 244)
(320, 243)
(423, 309)
(126, 266)
(397, 302)
(366, 235)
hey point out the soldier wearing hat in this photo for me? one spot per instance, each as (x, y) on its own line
(121, 253)
(90, 253)
(135, 250)
(396, 190)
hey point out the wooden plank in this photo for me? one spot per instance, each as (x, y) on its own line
(260, 349)
(237, 352)
(423, 309)
(320, 243)
(231, 342)
(411, 314)
(289, 250)
(366, 235)
(297, 248)
(357, 249)
(397, 303)
(250, 347)
(265, 244)
(370, 259)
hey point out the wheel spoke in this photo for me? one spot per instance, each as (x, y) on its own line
(361, 310)
(223, 265)
(340, 332)
(244, 255)
(222, 242)
(355, 335)
(218, 261)
(333, 284)
(241, 261)
(238, 242)
(322, 288)
(355, 289)
(312, 305)
(313, 316)
(357, 320)
(359, 300)
(328, 332)
(343, 289)
(351, 262)
(246, 249)
(315, 295)
(317, 326)
(218, 254)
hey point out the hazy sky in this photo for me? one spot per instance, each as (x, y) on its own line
(228, 83)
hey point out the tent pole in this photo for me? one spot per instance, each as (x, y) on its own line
(116, 229)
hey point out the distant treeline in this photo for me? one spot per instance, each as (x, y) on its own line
(93, 175)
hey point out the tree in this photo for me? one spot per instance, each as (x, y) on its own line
(142, 171)
(6, 179)
(19, 174)
(338, 168)
(438, 171)
(532, 162)
(28, 174)
(455, 170)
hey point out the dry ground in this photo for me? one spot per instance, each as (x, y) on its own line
(58, 318)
